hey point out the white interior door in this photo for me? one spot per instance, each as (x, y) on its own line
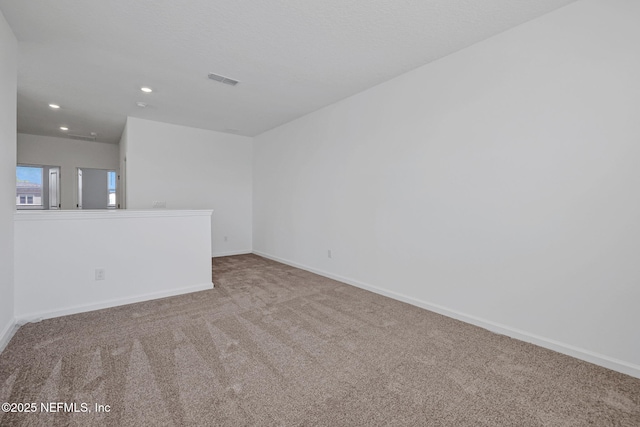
(79, 205)
(54, 188)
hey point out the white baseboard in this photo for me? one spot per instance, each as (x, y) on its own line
(579, 353)
(35, 317)
(7, 333)
(221, 254)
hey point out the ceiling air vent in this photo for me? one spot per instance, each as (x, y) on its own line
(82, 137)
(223, 79)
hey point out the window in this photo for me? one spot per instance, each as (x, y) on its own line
(37, 187)
(29, 186)
(111, 188)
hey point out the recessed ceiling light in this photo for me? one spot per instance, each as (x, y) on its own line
(54, 106)
(146, 89)
(64, 128)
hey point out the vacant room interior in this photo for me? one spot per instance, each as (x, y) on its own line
(320, 213)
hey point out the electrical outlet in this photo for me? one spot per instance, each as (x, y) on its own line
(159, 204)
(100, 274)
(329, 253)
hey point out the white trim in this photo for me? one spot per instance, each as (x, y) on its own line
(570, 350)
(72, 215)
(8, 333)
(36, 317)
(231, 253)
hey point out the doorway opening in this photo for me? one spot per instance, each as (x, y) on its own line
(97, 188)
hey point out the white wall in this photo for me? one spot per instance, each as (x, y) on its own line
(8, 48)
(192, 168)
(57, 253)
(69, 154)
(498, 185)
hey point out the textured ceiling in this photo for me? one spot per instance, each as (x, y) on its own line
(291, 57)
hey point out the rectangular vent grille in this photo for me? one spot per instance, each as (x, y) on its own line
(82, 137)
(223, 79)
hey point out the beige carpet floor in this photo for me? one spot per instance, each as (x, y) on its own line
(274, 345)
